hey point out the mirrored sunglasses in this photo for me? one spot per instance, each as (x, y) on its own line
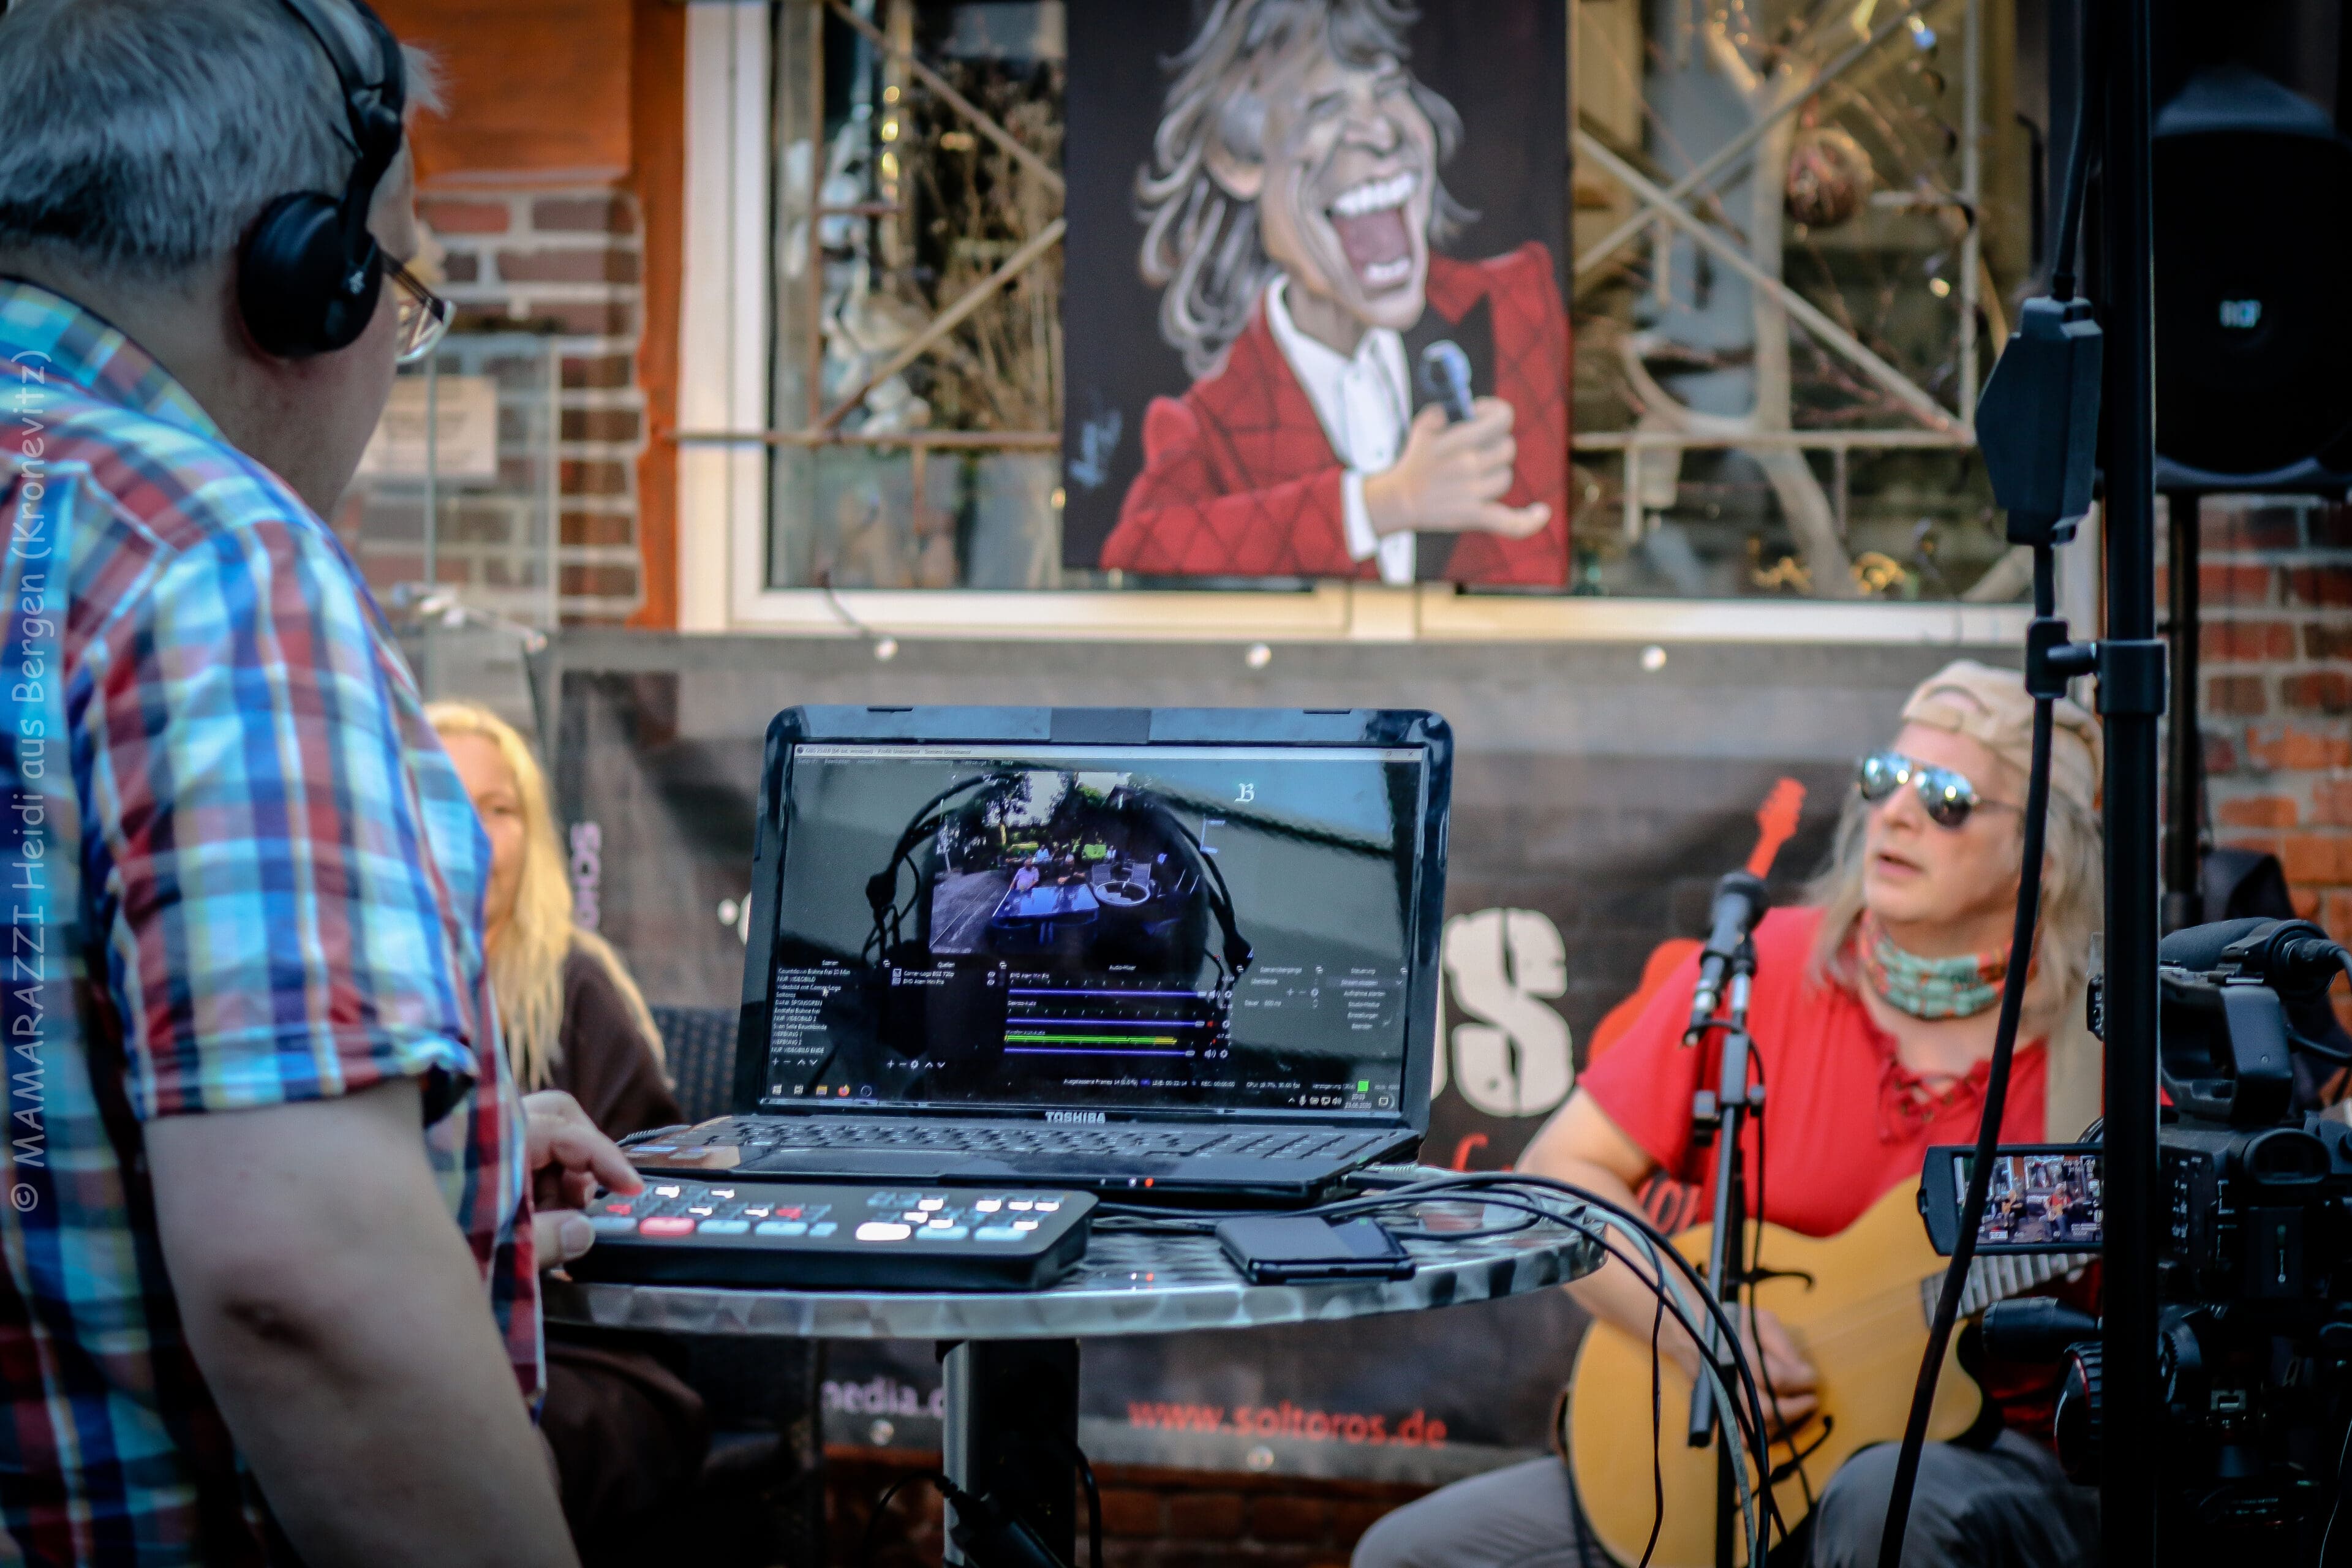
(1948, 796)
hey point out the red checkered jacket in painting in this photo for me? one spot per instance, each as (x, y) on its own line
(1239, 479)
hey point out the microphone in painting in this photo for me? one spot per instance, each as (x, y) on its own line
(1741, 902)
(1445, 378)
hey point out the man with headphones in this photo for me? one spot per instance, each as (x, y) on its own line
(253, 1073)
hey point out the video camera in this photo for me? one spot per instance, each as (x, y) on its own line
(2255, 1274)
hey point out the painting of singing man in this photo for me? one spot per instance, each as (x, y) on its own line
(1297, 220)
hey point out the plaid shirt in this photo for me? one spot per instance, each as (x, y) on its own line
(239, 871)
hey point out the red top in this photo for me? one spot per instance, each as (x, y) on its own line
(1844, 1123)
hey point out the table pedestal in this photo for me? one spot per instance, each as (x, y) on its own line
(1011, 1431)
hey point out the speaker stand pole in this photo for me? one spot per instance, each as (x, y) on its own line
(2135, 1205)
(2184, 769)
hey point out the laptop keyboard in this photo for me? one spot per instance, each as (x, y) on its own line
(997, 1138)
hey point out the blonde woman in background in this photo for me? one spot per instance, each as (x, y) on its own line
(627, 1433)
(571, 1016)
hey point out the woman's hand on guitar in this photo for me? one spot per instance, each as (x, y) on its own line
(1784, 1377)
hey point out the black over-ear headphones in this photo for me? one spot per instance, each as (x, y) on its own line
(311, 270)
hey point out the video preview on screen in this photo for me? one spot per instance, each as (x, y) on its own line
(2038, 1200)
(1197, 928)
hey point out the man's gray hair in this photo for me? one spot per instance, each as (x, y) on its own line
(141, 139)
(1200, 244)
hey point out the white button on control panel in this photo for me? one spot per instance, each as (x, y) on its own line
(884, 1230)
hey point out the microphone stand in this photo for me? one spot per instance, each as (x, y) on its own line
(1719, 1116)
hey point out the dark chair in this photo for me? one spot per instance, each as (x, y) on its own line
(762, 1492)
(699, 1043)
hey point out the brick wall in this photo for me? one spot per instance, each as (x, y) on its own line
(2276, 652)
(566, 260)
(1151, 1518)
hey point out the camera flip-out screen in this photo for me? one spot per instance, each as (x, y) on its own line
(2043, 1198)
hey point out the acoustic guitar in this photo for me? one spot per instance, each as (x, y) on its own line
(1857, 1304)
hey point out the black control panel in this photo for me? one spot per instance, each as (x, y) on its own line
(791, 1235)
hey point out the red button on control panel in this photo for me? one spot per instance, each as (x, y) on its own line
(675, 1226)
(619, 1208)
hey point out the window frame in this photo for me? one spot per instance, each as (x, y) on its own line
(727, 345)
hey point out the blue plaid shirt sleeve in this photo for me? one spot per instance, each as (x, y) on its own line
(278, 924)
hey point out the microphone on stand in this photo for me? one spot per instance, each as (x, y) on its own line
(1740, 900)
(1445, 378)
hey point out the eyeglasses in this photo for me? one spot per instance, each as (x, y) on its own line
(1948, 796)
(423, 315)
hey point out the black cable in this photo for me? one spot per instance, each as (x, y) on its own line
(1657, 1463)
(1995, 1097)
(2066, 243)
(1493, 1188)
(882, 1506)
(1094, 1500)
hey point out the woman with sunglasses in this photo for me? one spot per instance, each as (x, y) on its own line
(1872, 1012)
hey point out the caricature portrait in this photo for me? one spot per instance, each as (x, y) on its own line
(1312, 258)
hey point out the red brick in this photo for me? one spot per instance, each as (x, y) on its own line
(1288, 1518)
(2295, 750)
(2331, 802)
(1204, 1516)
(451, 217)
(2258, 811)
(1351, 1519)
(595, 264)
(600, 582)
(2220, 755)
(2226, 585)
(2304, 901)
(2228, 529)
(2315, 859)
(611, 319)
(2317, 692)
(607, 424)
(2235, 642)
(583, 478)
(604, 372)
(2336, 913)
(461, 268)
(2319, 585)
(581, 215)
(1131, 1513)
(2321, 641)
(2331, 528)
(2241, 696)
(592, 529)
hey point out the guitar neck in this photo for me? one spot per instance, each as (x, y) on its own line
(2002, 1276)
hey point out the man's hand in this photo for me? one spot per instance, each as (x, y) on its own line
(1452, 478)
(568, 1157)
(1784, 1378)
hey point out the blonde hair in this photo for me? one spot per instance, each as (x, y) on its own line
(2073, 902)
(527, 963)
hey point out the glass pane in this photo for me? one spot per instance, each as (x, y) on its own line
(452, 519)
(896, 204)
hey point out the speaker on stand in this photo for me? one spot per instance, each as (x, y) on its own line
(2253, 319)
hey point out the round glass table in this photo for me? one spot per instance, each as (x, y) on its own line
(1011, 1358)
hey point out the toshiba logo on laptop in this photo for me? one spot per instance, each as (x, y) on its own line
(1076, 1116)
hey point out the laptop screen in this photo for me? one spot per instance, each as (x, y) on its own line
(1138, 928)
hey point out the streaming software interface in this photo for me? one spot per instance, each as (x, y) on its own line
(1121, 929)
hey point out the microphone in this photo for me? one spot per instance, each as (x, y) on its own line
(1741, 902)
(1445, 378)
(2296, 958)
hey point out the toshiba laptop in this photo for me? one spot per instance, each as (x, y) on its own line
(1175, 949)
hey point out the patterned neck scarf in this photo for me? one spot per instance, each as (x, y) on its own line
(1957, 987)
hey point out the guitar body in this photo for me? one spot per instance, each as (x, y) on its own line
(1860, 1318)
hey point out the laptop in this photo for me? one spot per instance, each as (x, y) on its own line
(1131, 950)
